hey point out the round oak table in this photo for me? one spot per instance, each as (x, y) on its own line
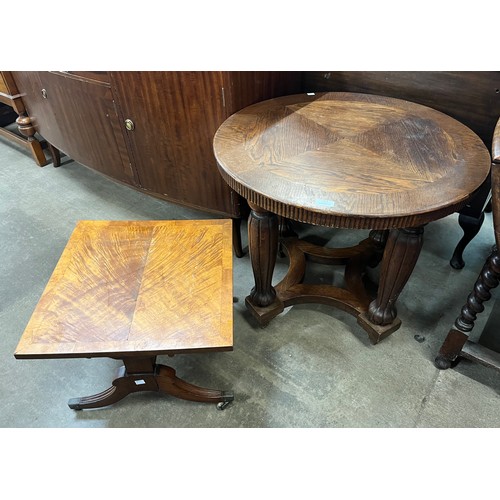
(345, 160)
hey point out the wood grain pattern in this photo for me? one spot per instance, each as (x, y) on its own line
(472, 97)
(79, 117)
(147, 287)
(176, 115)
(243, 88)
(351, 160)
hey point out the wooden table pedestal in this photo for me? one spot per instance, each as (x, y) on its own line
(143, 374)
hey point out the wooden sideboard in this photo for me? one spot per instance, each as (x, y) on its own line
(151, 130)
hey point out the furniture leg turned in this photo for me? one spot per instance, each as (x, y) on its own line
(26, 128)
(266, 301)
(10, 95)
(457, 342)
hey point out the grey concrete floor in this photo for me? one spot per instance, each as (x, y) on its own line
(312, 366)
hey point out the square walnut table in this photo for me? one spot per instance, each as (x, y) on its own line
(133, 290)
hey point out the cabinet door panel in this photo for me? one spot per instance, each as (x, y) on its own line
(176, 115)
(79, 117)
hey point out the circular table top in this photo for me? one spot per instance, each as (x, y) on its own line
(351, 160)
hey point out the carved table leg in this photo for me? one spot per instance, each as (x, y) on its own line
(263, 246)
(400, 256)
(459, 334)
(27, 129)
(143, 374)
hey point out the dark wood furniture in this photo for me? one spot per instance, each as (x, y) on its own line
(10, 96)
(346, 160)
(152, 130)
(472, 97)
(133, 291)
(457, 343)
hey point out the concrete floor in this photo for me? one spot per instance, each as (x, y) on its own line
(313, 366)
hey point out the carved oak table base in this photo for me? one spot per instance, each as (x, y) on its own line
(377, 315)
(353, 161)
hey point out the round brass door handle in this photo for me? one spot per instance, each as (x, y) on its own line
(129, 124)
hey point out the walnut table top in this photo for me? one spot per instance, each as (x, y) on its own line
(142, 287)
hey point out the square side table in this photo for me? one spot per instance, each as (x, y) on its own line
(133, 290)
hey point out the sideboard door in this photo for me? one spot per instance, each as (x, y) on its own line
(79, 117)
(173, 117)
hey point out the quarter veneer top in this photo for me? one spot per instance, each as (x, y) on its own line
(351, 160)
(132, 287)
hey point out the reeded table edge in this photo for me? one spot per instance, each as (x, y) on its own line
(345, 221)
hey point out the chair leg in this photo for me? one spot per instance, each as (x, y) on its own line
(457, 337)
(470, 227)
(471, 219)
